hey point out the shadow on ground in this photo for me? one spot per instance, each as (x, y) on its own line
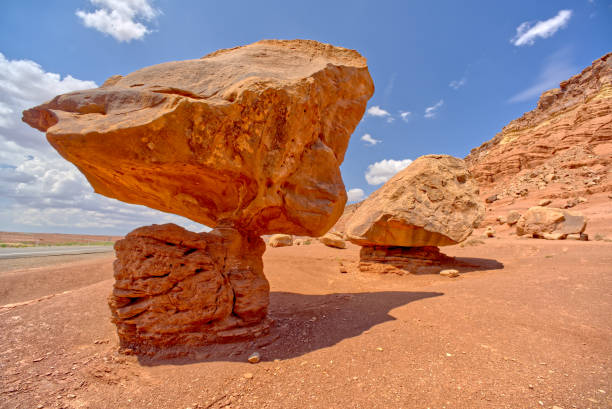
(306, 323)
(469, 264)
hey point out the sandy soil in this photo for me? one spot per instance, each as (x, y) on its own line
(528, 328)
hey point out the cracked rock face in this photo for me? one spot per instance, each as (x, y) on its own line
(178, 288)
(251, 136)
(433, 202)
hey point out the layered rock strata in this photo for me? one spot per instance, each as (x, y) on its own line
(433, 202)
(566, 139)
(247, 140)
(175, 288)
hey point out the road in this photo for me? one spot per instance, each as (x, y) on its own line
(26, 252)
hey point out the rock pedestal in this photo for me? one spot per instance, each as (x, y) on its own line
(178, 288)
(403, 260)
(250, 137)
(433, 202)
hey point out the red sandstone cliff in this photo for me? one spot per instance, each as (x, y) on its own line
(567, 139)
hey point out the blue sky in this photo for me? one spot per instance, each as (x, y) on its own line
(457, 71)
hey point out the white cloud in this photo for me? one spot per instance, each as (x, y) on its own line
(557, 68)
(527, 32)
(456, 84)
(122, 19)
(355, 195)
(379, 172)
(23, 84)
(405, 115)
(432, 111)
(368, 138)
(379, 112)
(41, 191)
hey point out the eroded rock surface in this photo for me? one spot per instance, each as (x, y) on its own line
(247, 140)
(570, 130)
(280, 240)
(252, 136)
(433, 202)
(333, 239)
(550, 223)
(176, 288)
(403, 260)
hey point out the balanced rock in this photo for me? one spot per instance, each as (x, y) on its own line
(403, 260)
(251, 135)
(555, 223)
(247, 140)
(176, 288)
(333, 239)
(280, 240)
(433, 202)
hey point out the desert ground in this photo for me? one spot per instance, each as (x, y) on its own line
(528, 326)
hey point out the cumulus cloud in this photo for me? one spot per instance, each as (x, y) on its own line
(432, 111)
(557, 68)
(379, 112)
(527, 32)
(121, 19)
(405, 115)
(355, 195)
(23, 84)
(369, 140)
(379, 172)
(456, 84)
(39, 190)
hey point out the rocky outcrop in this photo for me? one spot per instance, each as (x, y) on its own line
(567, 139)
(280, 240)
(252, 136)
(178, 289)
(333, 239)
(433, 202)
(550, 223)
(403, 260)
(247, 140)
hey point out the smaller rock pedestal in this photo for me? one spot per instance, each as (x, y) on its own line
(403, 260)
(176, 289)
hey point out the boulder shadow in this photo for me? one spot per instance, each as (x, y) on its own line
(470, 264)
(302, 324)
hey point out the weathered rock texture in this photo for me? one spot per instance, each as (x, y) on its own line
(548, 222)
(433, 202)
(566, 140)
(248, 140)
(333, 239)
(403, 260)
(280, 240)
(176, 288)
(252, 136)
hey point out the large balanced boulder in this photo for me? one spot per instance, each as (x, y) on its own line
(248, 141)
(252, 135)
(548, 222)
(433, 202)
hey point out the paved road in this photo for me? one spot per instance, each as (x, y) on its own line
(26, 252)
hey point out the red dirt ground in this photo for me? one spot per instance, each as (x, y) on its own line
(529, 328)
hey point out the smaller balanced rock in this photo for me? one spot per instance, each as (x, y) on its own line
(433, 202)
